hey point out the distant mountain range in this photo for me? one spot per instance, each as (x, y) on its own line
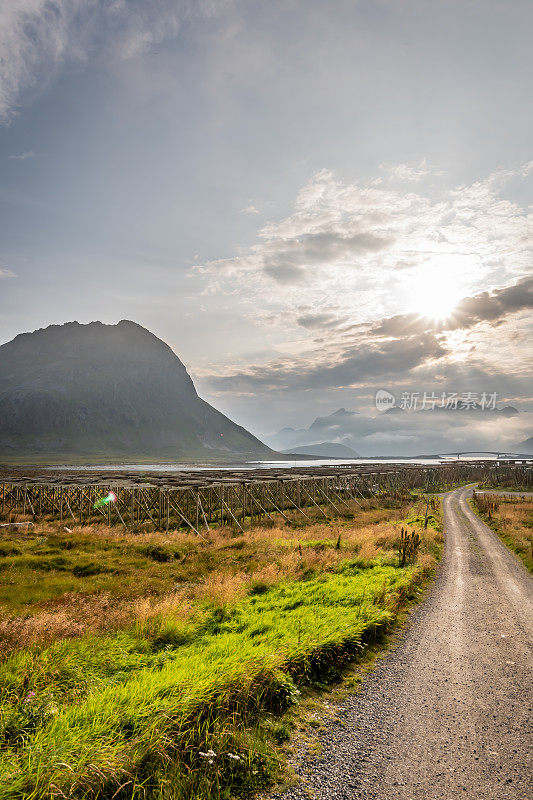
(86, 392)
(398, 432)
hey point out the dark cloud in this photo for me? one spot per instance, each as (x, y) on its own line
(312, 321)
(285, 260)
(358, 363)
(402, 325)
(283, 271)
(366, 361)
(493, 306)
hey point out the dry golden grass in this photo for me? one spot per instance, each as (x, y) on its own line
(427, 562)
(222, 587)
(66, 617)
(40, 628)
(512, 519)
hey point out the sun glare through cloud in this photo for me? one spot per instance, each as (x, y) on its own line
(436, 289)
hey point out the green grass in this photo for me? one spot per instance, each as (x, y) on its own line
(142, 707)
(503, 486)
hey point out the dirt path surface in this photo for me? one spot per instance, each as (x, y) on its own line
(447, 713)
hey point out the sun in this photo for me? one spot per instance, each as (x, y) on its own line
(435, 291)
(436, 299)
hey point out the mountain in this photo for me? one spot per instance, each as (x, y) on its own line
(324, 450)
(336, 420)
(330, 429)
(115, 391)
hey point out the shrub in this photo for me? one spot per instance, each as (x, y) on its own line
(83, 570)
(157, 553)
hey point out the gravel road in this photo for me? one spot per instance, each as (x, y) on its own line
(447, 713)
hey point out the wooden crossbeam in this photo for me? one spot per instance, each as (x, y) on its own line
(275, 506)
(310, 496)
(256, 501)
(294, 504)
(233, 516)
(183, 517)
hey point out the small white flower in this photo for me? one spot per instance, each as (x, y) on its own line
(209, 754)
(232, 755)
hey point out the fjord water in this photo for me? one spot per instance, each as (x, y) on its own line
(248, 465)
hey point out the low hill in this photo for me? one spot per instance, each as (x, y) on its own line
(324, 450)
(85, 392)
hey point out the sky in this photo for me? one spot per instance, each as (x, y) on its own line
(309, 201)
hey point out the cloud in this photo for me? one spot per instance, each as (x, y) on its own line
(313, 321)
(412, 432)
(337, 291)
(33, 34)
(250, 209)
(402, 325)
(411, 172)
(293, 259)
(39, 37)
(493, 306)
(287, 261)
(284, 272)
(6, 273)
(23, 156)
